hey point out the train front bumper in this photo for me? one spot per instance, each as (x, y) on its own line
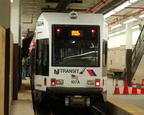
(74, 91)
(76, 97)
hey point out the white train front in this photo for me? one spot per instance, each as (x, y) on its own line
(70, 59)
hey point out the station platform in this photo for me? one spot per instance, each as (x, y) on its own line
(23, 106)
(131, 104)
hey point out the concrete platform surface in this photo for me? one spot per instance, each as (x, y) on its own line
(23, 106)
(133, 104)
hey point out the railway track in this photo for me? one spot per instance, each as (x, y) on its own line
(41, 110)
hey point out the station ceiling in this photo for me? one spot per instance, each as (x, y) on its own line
(31, 9)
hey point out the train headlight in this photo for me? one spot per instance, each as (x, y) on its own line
(97, 82)
(90, 82)
(59, 81)
(87, 101)
(67, 101)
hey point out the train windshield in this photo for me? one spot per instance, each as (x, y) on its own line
(76, 45)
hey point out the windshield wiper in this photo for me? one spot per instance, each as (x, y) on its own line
(92, 46)
(81, 72)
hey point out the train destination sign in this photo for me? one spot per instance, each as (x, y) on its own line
(76, 33)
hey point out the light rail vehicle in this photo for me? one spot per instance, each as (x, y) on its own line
(69, 59)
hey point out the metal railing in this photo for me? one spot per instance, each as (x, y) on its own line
(137, 53)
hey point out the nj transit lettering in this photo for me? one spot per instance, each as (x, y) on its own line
(58, 71)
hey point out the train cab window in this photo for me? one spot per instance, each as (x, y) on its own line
(76, 45)
(42, 56)
(104, 54)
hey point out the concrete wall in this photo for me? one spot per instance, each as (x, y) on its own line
(2, 68)
(117, 50)
(116, 57)
(116, 53)
(6, 70)
(11, 71)
(120, 39)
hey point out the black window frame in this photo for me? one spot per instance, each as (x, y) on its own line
(42, 60)
(98, 40)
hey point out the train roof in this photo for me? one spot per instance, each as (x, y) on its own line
(71, 18)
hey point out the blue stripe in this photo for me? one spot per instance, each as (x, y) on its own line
(94, 74)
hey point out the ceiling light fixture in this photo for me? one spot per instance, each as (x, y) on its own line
(117, 9)
(141, 16)
(126, 4)
(116, 26)
(131, 20)
(109, 14)
(11, 0)
(118, 32)
(133, 1)
(121, 31)
(135, 27)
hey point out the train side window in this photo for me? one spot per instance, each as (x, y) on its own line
(38, 57)
(45, 56)
(104, 53)
(42, 57)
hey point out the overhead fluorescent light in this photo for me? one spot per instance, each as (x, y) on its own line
(109, 14)
(114, 33)
(133, 1)
(135, 27)
(121, 31)
(119, 8)
(23, 37)
(116, 26)
(11, 0)
(126, 4)
(118, 32)
(131, 20)
(141, 16)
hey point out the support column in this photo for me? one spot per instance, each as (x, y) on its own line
(5, 13)
(128, 51)
(4, 58)
(15, 20)
(15, 25)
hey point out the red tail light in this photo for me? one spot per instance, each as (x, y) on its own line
(93, 31)
(53, 82)
(45, 81)
(30, 49)
(97, 82)
(33, 43)
(58, 30)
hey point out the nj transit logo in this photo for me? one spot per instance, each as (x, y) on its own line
(91, 72)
